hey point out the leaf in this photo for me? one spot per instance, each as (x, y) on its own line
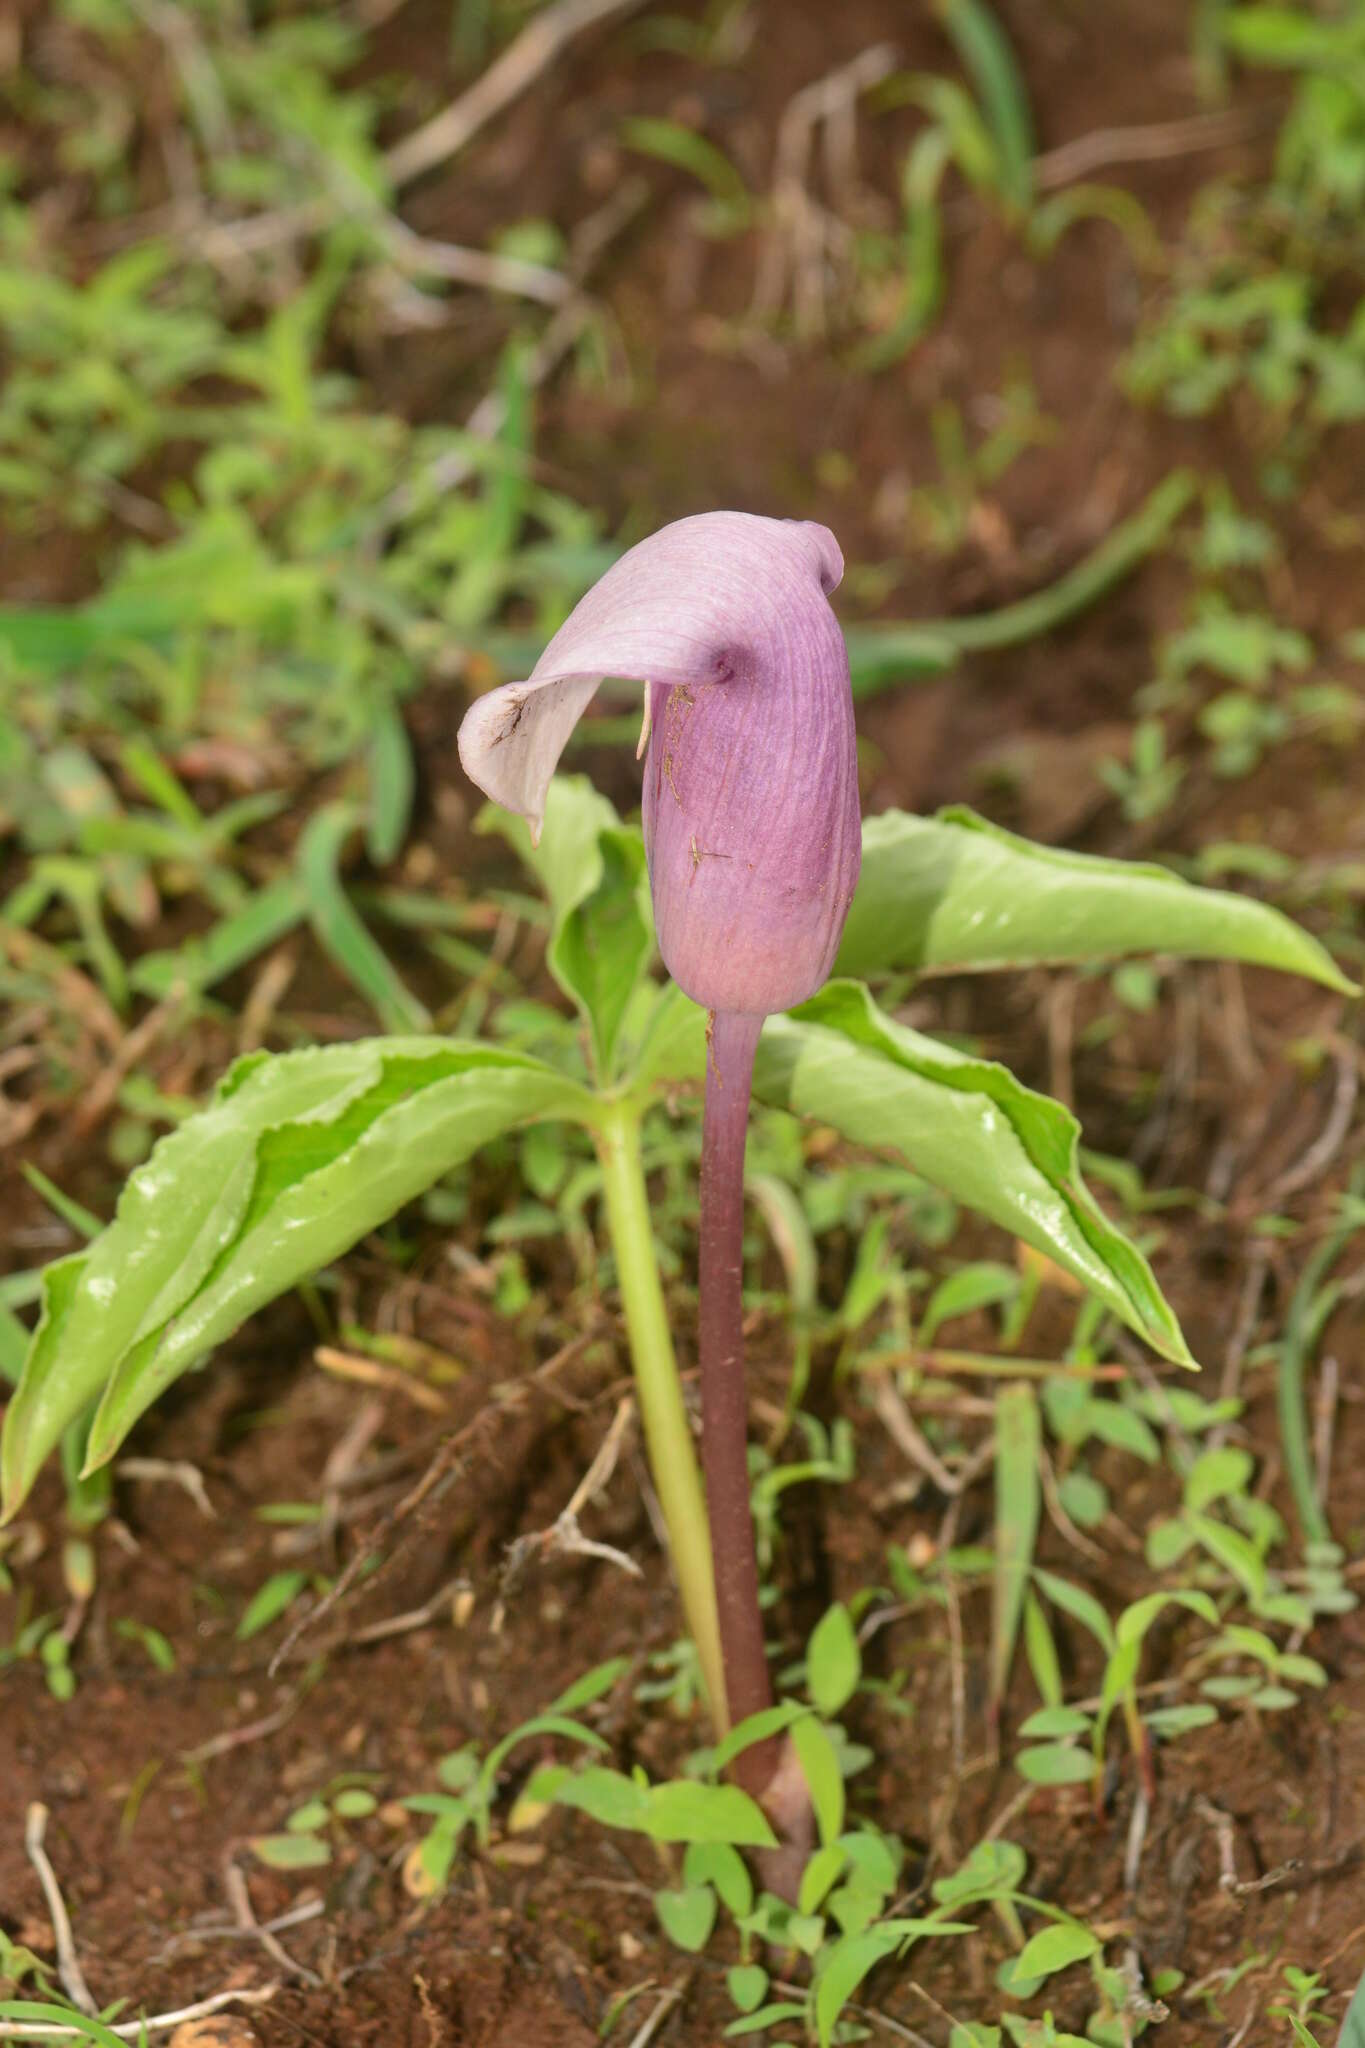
(747, 1984)
(590, 1686)
(1234, 1553)
(264, 919)
(291, 1852)
(337, 925)
(609, 1797)
(682, 1812)
(592, 869)
(985, 52)
(993, 1869)
(1054, 1948)
(269, 1601)
(1080, 1605)
(820, 1762)
(951, 892)
(392, 780)
(852, 1958)
(292, 1162)
(969, 1127)
(1055, 1763)
(1054, 1721)
(60, 2020)
(687, 1916)
(833, 1660)
(1216, 1474)
(717, 1864)
(1018, 1495)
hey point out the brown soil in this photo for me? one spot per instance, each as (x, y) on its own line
(537, 1937)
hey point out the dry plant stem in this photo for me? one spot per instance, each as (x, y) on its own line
(724, 1407)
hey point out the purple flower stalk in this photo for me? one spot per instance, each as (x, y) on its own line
(752, 832)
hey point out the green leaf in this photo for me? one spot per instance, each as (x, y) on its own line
(717, 1864)
(293, 1161)
(687, 1916)
(392, 780)
(968, 1126)
(992, 1870)
(1055, 1763)
(1234, 1553)
(820, 1762)
(1054, 1948)
(590, 1686)
(1216, 1474)
(592, 869)
(59, 2019)
(833, 1660)
(1054, 1721)
(850, 1960)
(291, 1852)
(747, 1984)
(609, 1797)
(1080, 1605)
(953, 891)
(1018, 1497)
(269, 1601)
(337, 925)
(683, 1812)
(986, 53)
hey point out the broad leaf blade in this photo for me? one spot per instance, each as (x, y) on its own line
(969, 1127)
(294, 1161)
(953, 891)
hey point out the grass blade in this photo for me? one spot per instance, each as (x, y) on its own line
(338, 927)
(1017, 1499)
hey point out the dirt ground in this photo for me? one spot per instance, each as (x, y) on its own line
(154, 1780)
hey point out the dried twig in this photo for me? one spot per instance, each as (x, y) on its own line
(239, 1899)
(133, 2030)
(1148, 142)
(803, 232)
(68, 1963)
(520, 64)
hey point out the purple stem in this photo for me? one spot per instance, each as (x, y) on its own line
(724, 1407)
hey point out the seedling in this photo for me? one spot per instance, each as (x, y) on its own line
(750, 761)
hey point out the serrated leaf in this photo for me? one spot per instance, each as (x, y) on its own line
(954, 891)
(293, 1161)
(969, 1127)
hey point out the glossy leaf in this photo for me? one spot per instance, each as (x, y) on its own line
(1055, 1948)
(954, 891)
(969, 1127)
(292, 1162)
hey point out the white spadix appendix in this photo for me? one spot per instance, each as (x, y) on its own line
(752, 836)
